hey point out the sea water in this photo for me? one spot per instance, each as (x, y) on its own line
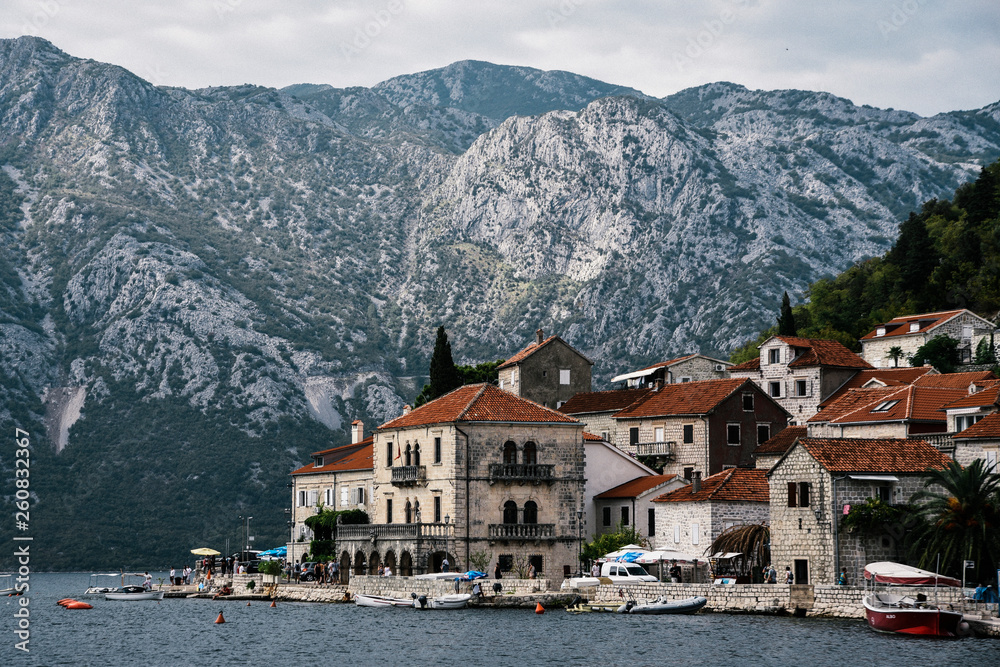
(183, 632)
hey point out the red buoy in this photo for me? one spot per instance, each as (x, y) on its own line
(248, 604)
(539, 609)
(220, 619)
(64, 601)
(272, 603)
(75, 604)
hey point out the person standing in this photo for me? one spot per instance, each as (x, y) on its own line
(842, 577)
(532, 574)
(595, 570)
(675, 573)
(772, 575)
(445, 564)
(789, 577)
(497, 574)
(335, 571)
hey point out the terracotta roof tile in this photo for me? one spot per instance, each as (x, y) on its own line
(852, 400)
(535, 347)
(590, 437)
(987, 427)
(822, 352)
(779, 444)
(900, 326)
(636, 487)
(990, 395)
(602, 401)
(752, 365)
(877, 455)
(359, 459)
(954, 380)
(887, 376)
(687, 398)
(478, 402)
(733, 485)
(912, 403)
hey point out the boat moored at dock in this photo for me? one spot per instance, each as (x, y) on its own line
(906, 614)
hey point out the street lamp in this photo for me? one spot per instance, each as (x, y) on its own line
(248, 533)
(579, 534)
(447, 519)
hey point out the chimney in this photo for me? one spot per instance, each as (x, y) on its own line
(357, 431)
(696, 481)
(539, 337)
(406, 409)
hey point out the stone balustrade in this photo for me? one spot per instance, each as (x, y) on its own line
(521, 472)
(522, 531)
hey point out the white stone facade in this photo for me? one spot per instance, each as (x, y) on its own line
(966, 327)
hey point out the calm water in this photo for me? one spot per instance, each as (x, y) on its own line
(182, 632)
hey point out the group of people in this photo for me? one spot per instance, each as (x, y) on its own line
(771, 575)
(182, 579)
(327, 573)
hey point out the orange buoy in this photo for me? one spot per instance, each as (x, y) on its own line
(64, 601)
(272, 604)
(248, 604)
(75, 604)
(539, 609)
(220, 619)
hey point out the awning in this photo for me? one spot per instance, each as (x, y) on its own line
(634, 374)
(725, 555)
(896, 573)
(875, 478)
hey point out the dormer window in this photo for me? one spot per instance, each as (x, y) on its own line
(774, 356)
(884, 406)
(914, 326)
(880, 331)
(318, 462)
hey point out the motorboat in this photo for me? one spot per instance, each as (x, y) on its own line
(7, 584)
(664, 605)
(897, 612)
(134, 593)
(453, 601)
(363, 600)
(102, 583)
(581, 606)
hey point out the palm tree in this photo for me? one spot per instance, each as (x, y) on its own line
(895, 353)
(752, 541)
(962, 520)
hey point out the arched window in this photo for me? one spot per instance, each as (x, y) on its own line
(406, 457)
(530, 512)
(416, 453)
(530, 456)
(416, 511)
(408, 512)
(509, 452)
(510, 512)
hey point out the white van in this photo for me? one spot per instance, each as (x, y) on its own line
(626, 573)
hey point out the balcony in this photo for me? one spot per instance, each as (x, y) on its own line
(409, 475)
(395, 531)
(522, 532)
(941, 441)
(663, 449)
(516, 473)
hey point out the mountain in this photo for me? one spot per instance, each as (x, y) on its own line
(200, 287)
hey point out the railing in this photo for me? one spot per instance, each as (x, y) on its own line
(521, 472)
(655, 449)
(940, 441)
(394, 531)
(408, 475)
(522, 531)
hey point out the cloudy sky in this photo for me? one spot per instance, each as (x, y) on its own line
(921, 55)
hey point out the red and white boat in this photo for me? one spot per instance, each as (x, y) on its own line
(898, 612)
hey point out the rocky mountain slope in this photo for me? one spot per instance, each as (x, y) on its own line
(201, 287)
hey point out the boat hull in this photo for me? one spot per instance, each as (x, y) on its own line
(147, 595)
(929, 622)
(455, 601)
(686, 606)
(380, 601)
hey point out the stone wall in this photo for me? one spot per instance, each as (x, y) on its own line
(401, 587)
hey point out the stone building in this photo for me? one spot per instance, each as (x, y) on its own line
(871, 378)
(981, 399)
(549, 372)
(815, 483)
(705, 426)
(631, 504)
(476, 472)
(885, 412)
(596, 409)
(339, 478)
(800, 373)
(910, 332)
(981, 440)
(689, 368)
(689, 519)
(768, 453)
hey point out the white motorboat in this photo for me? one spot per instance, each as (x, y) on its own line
(6, 584)
(664, 605)
(134, 593)
(380, 601)
(453, 601)
(102, 583)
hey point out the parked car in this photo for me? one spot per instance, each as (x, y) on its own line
(307, 571)
(625, 573)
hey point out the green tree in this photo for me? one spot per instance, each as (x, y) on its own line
(484, 372)
(941, 352)
(608, 542)
(895, 353)
(962, 520)
(786, 321)
(444, 375)
(986, 351)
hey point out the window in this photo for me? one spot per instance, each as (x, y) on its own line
(318, 463)
(313, 498)
(884, 406)
(530, 512)
(536, 560)
(793, 494)
(774, 355)
(798, 494)
(695, 533)
(604, 436)
(880, 331)
(677, 534)
(563, 376)
(633, 436)
(343, 496)
(685, 379)
(763, 433)
(388, 510)
(437, 450)
(733, 434)
(657, 434)
(437, 509)
(606, 516)
(510, 512)
(624, 516)
(688, 433)
(360, 495)
(328, 497)
(884, 493)
(774, 389)
(388, 453)
(801, 387)
(651, 522)
(506, 562)
(509, 452)
(963, 422)
(803, 494)
(991, 460)
(302, 499)
(559, 404)
(914, 327)
(688, 472)
(407, 456)
(747, 402)
(408, 512)
(530, 454)
(501, 384)
(416, 454)
(416, 511)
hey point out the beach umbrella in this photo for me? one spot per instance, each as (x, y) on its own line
(205, 551)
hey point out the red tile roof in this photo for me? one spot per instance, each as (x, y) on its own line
(636, 487)
(954, 380)
(360, 458)
(822, 352)
(535, 347)
(989, 395)
(987, 427)
(687, 398)
(590, 437)
(779, 444)
(602, 401)
(733, 485)
(752, 365)
(887, 376)
(478, 403)
(913, 403)
(900, 326)
(876, 455)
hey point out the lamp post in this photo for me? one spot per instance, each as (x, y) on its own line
(579, 535)
(248, 535)
(241, 517)
(447, 520)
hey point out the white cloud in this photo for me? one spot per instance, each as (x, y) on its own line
(910, 54)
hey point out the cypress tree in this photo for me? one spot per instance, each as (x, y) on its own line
(444, 374)
(786, 321)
